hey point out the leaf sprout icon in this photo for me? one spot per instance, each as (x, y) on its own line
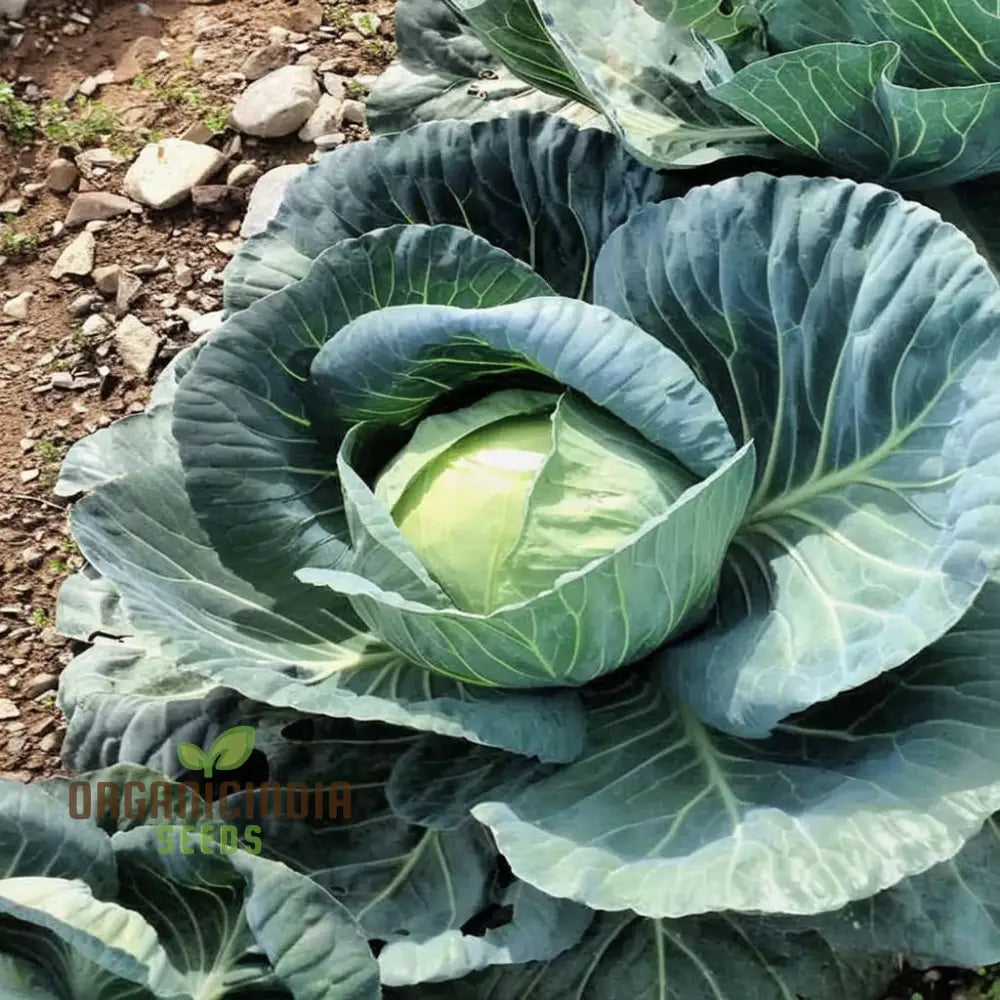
(229, 750)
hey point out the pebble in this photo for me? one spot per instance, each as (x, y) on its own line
(39, 684)
(218, 198)
(83, 304)
(228, 247)
(243, 174)
(61, 380)
(137, 344)
(129, 287)
(95, 326)
(28, 475)
(266, 60)
(32, 558)
(324, 120)
(331, 141)
(184, 276)
(77, 258)
(61, 175)
(277, 104)
(97, 206)
(165, 172)
(17, 307)
(8, 710)
(106, 278)
(100, 158)
(335, 85)
(266, 197)
(12, 206)
(353, 112)
(197, 132)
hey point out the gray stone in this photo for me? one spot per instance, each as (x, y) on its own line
(129, 287)
(266, 60)
(353, 112)
(331, 141)
(91, 160)
(165, 171)
(61, 175)
(96, 206)
(8, 710)
(78, 257)
(277, 104)
(17, 307)
(243, 174)
(95, 326)
(137, 344)
(197, 132)
(39, 684)
(82, 304)
(324, 120)
(335, 85)
(106, 278)
(12, 206)
(266, 197)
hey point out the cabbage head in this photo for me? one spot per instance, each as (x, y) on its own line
(628, 540)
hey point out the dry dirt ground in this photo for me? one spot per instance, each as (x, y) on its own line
(59, 382)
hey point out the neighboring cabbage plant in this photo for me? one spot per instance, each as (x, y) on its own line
(627, 544)
(896, 91)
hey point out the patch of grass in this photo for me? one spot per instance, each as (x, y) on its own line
(68, 544)
(50, 457)
(18, 120)
(14, 243)
(354, 89)
(82, 124)
(40, 618)
(337, 15)
(218, 118)
(57, 566)
(379, 49)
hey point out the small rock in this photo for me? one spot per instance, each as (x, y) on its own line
(138, 57)
(17, 307)
(137, 344)
(165, 171)
(228, 247)
(49, 742)
(206, 26)
(366, 23)
(77, 258)
(197, 132)
(92, 160)
(8, 710)
(13, 9)
(277, 34)
(335, 85)
(129, 287)
(277, 104)
(96, 206)
(32, 558)
(89, 87)
(305, 16)
(39, 684)
(243, 174)
(266, 60)
(266, 197)
(352, 37)
(106, 278)
(95, 326)
(206, 323)
(12, 206)
(28, 475)
(353, 112)
(331, 141)
(61, 175)
(61, 380)
(184, 276)
(218, 198)
(83, 304)
(324, 120)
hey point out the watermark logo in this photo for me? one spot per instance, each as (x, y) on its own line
(229, 750)
(176, 802)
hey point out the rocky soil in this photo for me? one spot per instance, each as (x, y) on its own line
(138, 147)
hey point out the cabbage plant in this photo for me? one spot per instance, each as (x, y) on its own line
(895, 91)
(627, 542)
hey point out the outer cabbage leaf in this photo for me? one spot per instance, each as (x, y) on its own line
(444, 71)
(718, 956)
(650, 79)
(855, 339)
(535, 186)
(668, 817)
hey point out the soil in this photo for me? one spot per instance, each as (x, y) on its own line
(40, 417)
